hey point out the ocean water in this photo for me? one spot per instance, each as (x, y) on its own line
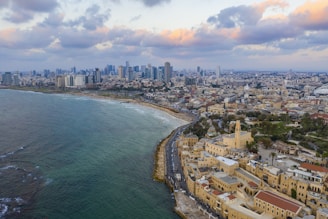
(64, 156)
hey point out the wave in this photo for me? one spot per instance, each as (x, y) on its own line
(5, 155)
(9, 206)
(8, 167)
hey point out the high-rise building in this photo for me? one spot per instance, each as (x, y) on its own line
(16, 79)
(7, 79)
(130, 74)
(167, 72)
(160, 73)
(120, 72)
(97, 75)
(218, 71)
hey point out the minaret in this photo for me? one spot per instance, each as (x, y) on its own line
(237, 134)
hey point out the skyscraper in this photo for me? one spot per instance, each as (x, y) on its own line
(218, 71)
(7, 78)
(167, 72)
(120, 72)
(97, 75)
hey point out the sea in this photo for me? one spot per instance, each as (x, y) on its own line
(66, 156)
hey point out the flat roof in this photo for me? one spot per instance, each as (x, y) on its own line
(229, 179)
(249, 175)
(278, 201)
(226, 161)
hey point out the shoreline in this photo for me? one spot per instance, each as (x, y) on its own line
(159, 160)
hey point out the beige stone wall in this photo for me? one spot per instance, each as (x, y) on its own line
(223, 186)
(273, 180)
(216, 149)
(271, 209)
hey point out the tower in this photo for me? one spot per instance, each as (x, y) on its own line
(167, 72)
(237, 134)
(218, 71)
(120, 72)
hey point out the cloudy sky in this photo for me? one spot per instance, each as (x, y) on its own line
(243, 35)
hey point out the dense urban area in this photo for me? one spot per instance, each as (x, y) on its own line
(257, 146)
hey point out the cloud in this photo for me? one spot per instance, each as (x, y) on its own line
(38, 37)
(53, 20)
(92, 19)
(35, 5)
(19, 16)
(268, 31)
(152, 3)
(23, 11)
(243, 15)
(235, 17)
(135, 18)
(80, 39)
(312, 15)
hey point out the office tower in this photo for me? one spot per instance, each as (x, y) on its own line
(7, 79)
(130, 74)
(167, 72)
(16, 79)
(155, 73)
(79, 81)
(161, 73)
(73, 70)
(218, 71)
(136, 68)
(150, 71)
(68, 81)
(97, 75)
(120, 72)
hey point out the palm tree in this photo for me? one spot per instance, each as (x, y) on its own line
(272, 155)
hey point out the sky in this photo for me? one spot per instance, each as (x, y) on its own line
(239, 34)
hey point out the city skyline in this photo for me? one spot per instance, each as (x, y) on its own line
(263, 35)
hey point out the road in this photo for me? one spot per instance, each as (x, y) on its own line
(173, 165)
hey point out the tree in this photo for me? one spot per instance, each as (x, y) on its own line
(266, 142)
(253, 132)
(293, 193)
(272, 155)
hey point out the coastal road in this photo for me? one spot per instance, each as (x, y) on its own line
(173, 166)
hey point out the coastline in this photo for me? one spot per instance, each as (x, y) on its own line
(159, 168)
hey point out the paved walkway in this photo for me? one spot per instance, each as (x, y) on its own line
(188, 207)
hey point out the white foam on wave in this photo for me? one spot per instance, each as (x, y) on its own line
(2, 156)
(8, 167)
(5, 200)
(48, 181)
(105, 101)
(19, 200)
(3, 210)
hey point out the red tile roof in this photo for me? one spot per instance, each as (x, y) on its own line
(313, 167)
(252, 184)
(231, 197)
(278, 201)
(204, 185)
(216, 192)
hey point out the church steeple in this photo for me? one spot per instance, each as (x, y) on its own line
(237, 134)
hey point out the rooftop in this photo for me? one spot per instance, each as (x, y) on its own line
(313, 167)
(226, 161)
(278, 201)
(249, 176)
